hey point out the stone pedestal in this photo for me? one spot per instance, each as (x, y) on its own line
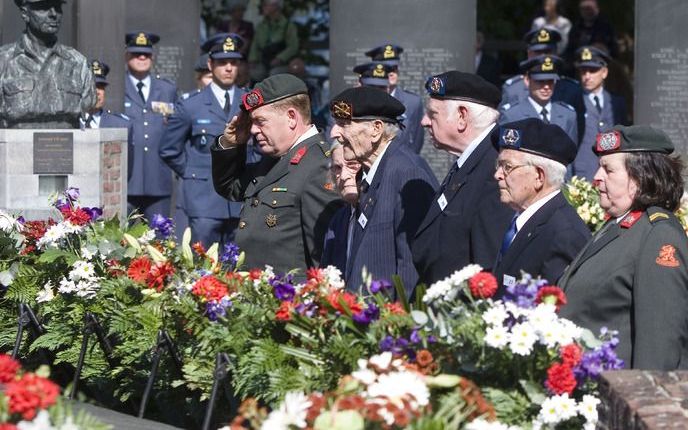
(36, 163)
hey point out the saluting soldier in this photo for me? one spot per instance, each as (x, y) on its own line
(44, 84)
(390, 55)
(192, 128)
(288, 197)
(632, 276)
(148, 101)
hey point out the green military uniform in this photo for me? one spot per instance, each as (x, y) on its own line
(287, 201)
(633, 274)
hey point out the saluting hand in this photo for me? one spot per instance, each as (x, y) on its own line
(237, 131)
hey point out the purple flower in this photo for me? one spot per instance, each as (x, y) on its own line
(282, 288)
(379, 285)
(602, 358)
(94, 212)
(368, 315)
(398, 346)
(21, 220)
(415, 337)
(306, 309)
(62, 205)
(72, 194)
(215, 310)
(524, 293)
(163, 225)
(231, 254)
(387, 343)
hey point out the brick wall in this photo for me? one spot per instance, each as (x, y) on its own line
(111, 178)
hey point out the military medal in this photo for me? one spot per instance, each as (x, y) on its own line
(271, 220)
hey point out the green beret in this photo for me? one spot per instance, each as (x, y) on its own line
(634, 138)
(272, 89)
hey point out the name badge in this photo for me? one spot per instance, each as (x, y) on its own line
(509, 281)
(362, 220)
(442, 201)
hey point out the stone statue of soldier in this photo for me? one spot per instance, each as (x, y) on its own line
(43, 83)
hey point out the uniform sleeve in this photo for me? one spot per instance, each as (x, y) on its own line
(660, 300)
(230, 177)
(174, 139)
(489, 224)
(318, 206)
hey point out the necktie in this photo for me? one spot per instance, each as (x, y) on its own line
(227, 103)
(139, 85)
(597, 104)
(89, 121)
(350, 231)
(509, 236)
(449, 176)
(544, 113)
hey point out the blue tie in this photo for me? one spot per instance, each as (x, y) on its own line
(508, 236)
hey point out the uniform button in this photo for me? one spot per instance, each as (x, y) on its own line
(145, 136)
(193, 175)
(203, 131)
(274, 202)
(255, 202)
(144, 111)
(145, 123)
(254, 180)
(145, 148)
(242, 225)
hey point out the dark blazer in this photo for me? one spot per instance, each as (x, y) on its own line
(287, 207)
(185, 147)
(413, 133)
(470, 228)
(393, 206)
(150, 175)
(546, 243)
(336, 240)
(633, 277)
(489, 68)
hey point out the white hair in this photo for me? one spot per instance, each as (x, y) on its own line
(480, 116)
(555, 172)
(391, 130)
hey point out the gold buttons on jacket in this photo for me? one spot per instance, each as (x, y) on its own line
(242, 224)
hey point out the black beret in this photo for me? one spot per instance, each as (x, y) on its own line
(457, 85)
(375, 74)
(589, 56)
(141, 42)
(272, 89)
(388, 54)
(366, 103)
(634, 138)
(536, 137)
(542, 39)
(543, 67)
(100, 71)
(223, 45)
(21, 3)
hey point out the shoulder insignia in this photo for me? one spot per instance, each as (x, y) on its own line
(296, 159)
(185, 96)
(630, 219)
(667, 256)
(512, 80)
(123, 116)
(658, 216)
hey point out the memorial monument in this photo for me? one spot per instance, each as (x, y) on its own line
(44, 84)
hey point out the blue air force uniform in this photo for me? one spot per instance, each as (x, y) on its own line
(150, 185)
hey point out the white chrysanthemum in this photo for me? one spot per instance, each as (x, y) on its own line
(542, 315)
(381, 361)
(550, 334)
(439, 289)
(481, 424)
(87, 289)
(566, 406)
(52, 235)
(569, 332)
(40, 422)
(365, 376)
(497, 337)
(82, 270)
(515, 310)
(71, 228)
(8, 223)
(522, 338)
(147, 237)
(396, 386)
(447, 288)
(549, 413)
(67, 286)
(495, 315)
(46, 294)
(334, 277)
(88, 252)
(588, 408)
(292, 412)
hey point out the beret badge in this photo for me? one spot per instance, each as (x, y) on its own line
(388, 52)
(511, 137)
(252, 99)
(97, 69)
(141, 40)
(379, 71)
(436, 86)
(342, 110)
(586, 55)
(229, 46)
(543, 36)
(608, 141)
(547, 65)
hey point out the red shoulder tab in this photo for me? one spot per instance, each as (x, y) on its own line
(631, 219)
(296, 159)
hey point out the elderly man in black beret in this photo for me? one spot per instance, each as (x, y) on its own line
(466, 220)
(546, 233)
(287, 197)
(396, 186)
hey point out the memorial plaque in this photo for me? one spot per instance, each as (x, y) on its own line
(53, 153)
(437, 36)
(661, 68)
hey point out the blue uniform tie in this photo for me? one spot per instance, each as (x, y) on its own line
(509, 236)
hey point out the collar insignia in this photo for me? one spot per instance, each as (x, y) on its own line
(630, 219)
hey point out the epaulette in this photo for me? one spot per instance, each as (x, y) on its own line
(190, 94)
(409, 92)
(325, 147)
(509, 82)
(656, 214)
(169, 81)
(566, 105)
(121, 115)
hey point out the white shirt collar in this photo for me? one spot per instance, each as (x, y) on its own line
(368, 176)
(538, 107)
(474, 144)
(524, 216)
(219, 94)
(600, 95)
(96, 120)
(146, 84)
(312, 131)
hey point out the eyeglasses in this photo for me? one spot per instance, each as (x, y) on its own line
(506, 167)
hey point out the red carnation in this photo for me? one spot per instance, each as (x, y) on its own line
(395, 308)
(483, 285)
(336, 297)
(255, 274)
(77, 216)
(8, 368)
(560, 379)
(8, 426)
(571, 354)
(30, 393)
(159, 274)
(315, 274)
(209, 288)
(139, 269)
(284, 311)
(551, 295)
